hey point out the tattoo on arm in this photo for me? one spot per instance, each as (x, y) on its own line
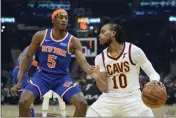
(72, 50)
(76, 48)
(83, 63)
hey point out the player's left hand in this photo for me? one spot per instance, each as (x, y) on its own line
(157, 83)
(92, 70)
(96, 73)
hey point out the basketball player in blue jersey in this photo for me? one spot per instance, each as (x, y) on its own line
(55, 47)
(25, 79)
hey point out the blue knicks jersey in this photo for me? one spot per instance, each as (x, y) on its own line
(54, 56)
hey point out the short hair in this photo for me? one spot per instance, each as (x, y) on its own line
(120, 35)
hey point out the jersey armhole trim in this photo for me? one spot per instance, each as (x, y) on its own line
(103, 58)
(129, 52)
(44, 37)
(68, 48)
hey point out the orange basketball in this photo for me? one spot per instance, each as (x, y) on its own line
(154, 96)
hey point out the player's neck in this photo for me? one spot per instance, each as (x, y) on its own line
(58, 34)
(115, 47)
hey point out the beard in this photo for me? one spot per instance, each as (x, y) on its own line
(109, 41)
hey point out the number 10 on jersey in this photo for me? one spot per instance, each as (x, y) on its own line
(122, 80)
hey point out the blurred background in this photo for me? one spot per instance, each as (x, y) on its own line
(149, 24)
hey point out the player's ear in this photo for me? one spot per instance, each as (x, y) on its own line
(53, 21)
(113, 33)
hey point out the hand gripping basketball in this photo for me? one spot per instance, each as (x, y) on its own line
(157, 83)
(154, 94)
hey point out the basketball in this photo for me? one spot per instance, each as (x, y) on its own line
(154, 96)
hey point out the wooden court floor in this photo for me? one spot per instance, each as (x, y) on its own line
(12, 111)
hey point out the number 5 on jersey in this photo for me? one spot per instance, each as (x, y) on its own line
(51, 61)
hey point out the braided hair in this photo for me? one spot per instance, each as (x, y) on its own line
(120, 35)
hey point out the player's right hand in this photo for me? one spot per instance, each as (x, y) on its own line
(15, 89)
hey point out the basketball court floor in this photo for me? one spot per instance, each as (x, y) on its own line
(54, 111)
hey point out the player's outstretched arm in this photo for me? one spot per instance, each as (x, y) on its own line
(76, 48)
(140, 58)
(25, 59)
(22, 54)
